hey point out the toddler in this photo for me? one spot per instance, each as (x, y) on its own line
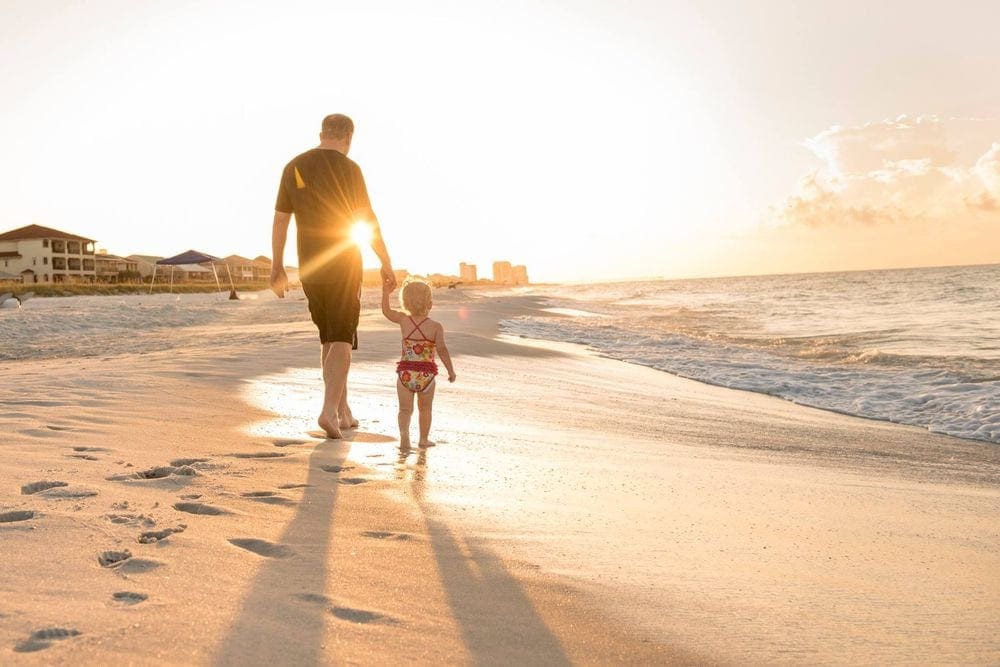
(416, 369)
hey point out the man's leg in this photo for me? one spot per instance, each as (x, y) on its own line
(336, 359)
(345, 416)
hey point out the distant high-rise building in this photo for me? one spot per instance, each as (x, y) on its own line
(520, 274)
(467, 272)
(503, 273)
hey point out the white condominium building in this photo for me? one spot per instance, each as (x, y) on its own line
(45, 255)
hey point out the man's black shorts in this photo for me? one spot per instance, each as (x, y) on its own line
(336, 306)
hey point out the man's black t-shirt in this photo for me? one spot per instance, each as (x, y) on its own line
(326, 192)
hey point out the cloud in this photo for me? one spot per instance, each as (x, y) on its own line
(900, 171)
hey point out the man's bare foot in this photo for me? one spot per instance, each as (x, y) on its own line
(329, 427)
(404, 442)
(423, 444)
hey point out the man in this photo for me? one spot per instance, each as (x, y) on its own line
(326, 192)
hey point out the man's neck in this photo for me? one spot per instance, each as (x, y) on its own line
(333, 145)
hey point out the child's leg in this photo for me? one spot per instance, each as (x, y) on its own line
(405, 411)
(425, 400)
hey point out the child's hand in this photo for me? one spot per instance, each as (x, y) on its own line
(451, 376)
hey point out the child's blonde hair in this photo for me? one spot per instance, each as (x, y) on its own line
(415, 297)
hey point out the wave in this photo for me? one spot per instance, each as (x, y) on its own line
(957, 396)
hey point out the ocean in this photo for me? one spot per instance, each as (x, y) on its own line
(911, 346)
(914, 346)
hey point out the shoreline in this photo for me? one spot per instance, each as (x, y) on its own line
(614, 512)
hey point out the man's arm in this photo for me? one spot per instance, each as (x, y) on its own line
(377, 243)
(378, 246)
(279, 234)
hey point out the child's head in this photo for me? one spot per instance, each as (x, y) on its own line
(416, 297)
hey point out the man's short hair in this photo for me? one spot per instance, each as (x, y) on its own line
(338, 126)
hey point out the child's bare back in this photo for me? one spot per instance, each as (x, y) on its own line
(417, 371)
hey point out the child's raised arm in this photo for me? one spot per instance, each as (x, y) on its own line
(390, 314)
(442, 350)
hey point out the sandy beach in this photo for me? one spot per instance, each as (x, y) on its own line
(175, 506)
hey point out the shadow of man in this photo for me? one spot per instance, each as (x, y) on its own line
(280, 622)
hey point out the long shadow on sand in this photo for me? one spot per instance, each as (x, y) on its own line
(278, 624)
(498, 622)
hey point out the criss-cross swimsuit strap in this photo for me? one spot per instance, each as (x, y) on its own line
(416, 327)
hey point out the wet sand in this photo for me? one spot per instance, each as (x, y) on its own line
(576, 509)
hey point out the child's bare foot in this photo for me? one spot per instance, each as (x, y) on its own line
(329, 427)
(423, 444)
(404, 442)
(348, 422)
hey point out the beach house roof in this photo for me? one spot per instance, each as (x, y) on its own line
(39, 232)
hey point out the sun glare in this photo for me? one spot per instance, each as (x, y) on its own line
(361, 233)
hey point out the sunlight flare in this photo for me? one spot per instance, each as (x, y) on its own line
(361, 234)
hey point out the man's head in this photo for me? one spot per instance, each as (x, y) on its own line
(336, 132)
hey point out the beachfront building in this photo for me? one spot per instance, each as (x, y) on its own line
(520, 274)
(114, 269)
(42, 255)
(467, 272)
(244, 269)
(145, 264)
(503, 273)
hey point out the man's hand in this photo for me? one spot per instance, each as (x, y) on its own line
(279, 281)
(388, 277)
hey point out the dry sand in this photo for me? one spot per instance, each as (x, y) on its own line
(576, 509)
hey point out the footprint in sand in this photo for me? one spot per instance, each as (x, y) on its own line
(352, 481)
(128, 597)
(113, 558)
(180, 463)
(132, 519)
(386, 535)
(35, 487)
(42, 639)
(351, 614)
(91, 449)
(151, 536)
(336, 469)
(287, 442)
(138, 566)
(295, 486)
(199, 508)
(267, 497)
(362, 616)
(262, 547)
(16, 515)
(68, 492)
(85, 457)
(159, 472)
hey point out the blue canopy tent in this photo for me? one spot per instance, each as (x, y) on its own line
(187, 257)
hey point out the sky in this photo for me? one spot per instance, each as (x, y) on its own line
(587, 139)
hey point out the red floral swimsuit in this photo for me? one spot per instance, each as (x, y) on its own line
(416, 369)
